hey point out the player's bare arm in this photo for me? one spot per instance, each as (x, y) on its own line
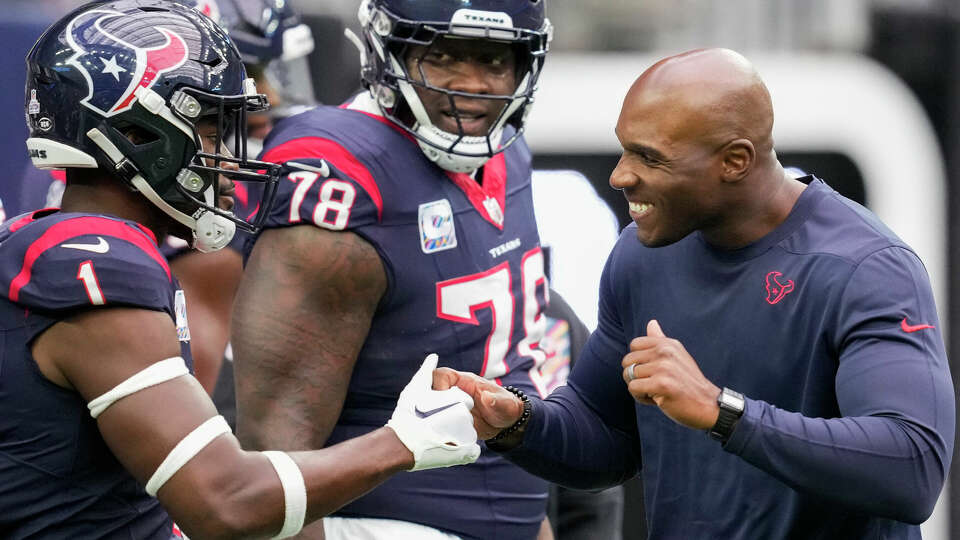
(223, 492)
(210, 282)
(299, 321)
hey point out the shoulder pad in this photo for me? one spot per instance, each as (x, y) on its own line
(82, 261)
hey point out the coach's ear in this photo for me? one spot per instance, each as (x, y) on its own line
(736, 160)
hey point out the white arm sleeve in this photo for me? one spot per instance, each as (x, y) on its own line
(185, 450)
(294, 492)
(152, 375)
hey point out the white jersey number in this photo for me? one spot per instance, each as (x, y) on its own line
(90, 283)
(459, 299)
(335, 200)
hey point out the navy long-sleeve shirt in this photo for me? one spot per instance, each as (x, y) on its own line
(827, 325)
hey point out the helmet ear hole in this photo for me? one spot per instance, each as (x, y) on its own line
(137, 135)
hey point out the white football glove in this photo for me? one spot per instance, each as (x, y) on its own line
(436, 425)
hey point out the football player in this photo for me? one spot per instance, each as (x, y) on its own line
(271, 41)
(99, 415)
(405, 225)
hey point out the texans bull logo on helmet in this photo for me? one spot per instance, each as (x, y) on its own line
(115, 68)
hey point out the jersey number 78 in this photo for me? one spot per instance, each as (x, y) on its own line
(459, 299)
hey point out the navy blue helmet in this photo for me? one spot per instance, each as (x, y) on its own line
(265, 30)
(391, 27)
(273, 42)
(124, 85)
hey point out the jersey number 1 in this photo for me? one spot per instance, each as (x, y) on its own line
(90, 283)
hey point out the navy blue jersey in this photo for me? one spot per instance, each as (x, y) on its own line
(465, 280)
(58, 478)
(827, 325)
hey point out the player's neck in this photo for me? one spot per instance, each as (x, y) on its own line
(754, 217)
(91, 194)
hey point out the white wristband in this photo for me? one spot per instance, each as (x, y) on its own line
(185, 450)
(152, 375)
(294, 492)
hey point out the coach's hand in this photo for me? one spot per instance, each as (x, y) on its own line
(494, 408)
(435, 426)
(659, 371)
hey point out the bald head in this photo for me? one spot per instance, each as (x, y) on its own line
(696, 131)
(714, 95)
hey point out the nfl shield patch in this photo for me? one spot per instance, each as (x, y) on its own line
(437, 232)
(180, 309)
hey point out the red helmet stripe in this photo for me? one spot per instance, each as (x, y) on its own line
(166, 57)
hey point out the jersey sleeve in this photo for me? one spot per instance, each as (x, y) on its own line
(88, 270)
(895, 396)
(324, 184)
(584, 435)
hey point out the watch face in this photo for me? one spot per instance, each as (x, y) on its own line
(732, 399)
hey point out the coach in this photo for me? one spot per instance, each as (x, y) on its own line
(790, 380)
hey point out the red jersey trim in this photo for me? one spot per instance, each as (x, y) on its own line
(241, 193)
(494, 185)
(17, 225)
(253, 214)
(72, 228)
(29, 218)
(335, 154)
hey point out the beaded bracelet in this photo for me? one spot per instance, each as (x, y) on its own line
(517, 426)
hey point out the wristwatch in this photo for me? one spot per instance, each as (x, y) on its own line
(731, 405)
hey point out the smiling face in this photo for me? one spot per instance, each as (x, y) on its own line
(464, 65)
(668, 171)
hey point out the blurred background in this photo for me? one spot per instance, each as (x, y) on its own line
(866, 95)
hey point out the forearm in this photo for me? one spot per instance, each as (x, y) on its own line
(878, 465)
(345, 471)
(568, 443)
(244, 498)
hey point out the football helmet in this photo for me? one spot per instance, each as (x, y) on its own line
(391, 27)
(271, 38)
(125, 85)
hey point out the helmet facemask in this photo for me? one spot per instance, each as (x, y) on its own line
(226, 152)
(394, 78)
(125, 87)
(193, 128)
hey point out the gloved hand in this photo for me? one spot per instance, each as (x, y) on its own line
(435, 425)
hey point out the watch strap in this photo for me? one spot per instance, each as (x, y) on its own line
(731, 409)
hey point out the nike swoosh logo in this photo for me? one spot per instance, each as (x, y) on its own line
(431, 412)
(322, 170)
(913, 328)
(100, 247)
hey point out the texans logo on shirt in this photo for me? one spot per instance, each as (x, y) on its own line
(115, 68)
(775, 289)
